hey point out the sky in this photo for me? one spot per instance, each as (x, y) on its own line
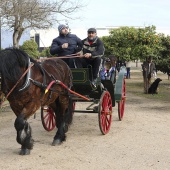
(124, 13)
(103, 13)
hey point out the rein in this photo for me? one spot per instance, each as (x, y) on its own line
(17, 82)
(67, 56)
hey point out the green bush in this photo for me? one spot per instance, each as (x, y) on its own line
(31, 48)
(46, 53)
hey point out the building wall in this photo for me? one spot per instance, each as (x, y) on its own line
(45, 36)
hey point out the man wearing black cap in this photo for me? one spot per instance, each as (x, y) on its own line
(93, 50)
(66, 44)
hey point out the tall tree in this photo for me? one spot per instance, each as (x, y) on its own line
(120, 42)
(19, 15)
(148, 43)
(163, 60)
(129, 43)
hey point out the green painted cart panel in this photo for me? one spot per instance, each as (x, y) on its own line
(83, 85)
(81, 76)
(119, 84)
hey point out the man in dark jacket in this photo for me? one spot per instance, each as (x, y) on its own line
(66, 44)
(149, 70)
(93, 50)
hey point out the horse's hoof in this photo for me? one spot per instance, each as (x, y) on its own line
(24, 152)
(56, 142)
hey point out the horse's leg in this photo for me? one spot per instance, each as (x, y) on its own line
(68, 116)
(60, 135)
(63, 119)
(23, 135)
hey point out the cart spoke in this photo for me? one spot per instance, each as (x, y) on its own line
(48, 118)
(105, 111)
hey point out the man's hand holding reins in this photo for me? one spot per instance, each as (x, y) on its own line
(87, 55)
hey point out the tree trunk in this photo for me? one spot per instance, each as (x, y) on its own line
(15, 39)
(17, 36)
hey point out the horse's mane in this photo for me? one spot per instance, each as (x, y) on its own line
(11, 62)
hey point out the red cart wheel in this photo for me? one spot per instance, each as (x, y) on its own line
(105, 112)
(48, 118)
(121, 103)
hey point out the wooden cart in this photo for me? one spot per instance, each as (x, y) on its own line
(101, 98)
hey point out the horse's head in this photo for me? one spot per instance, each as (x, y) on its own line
(12, 63)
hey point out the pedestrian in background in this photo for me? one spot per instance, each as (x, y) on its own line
(149, 70)
(128, 67)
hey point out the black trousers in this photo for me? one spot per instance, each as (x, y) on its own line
(70, 62)
(128, 72)
(86, 62)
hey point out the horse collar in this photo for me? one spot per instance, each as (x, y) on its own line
(27, 81)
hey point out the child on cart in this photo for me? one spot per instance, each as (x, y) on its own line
(108, 69)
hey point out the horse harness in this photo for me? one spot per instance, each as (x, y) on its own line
(26, 85)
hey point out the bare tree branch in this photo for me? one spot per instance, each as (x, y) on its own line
(19, 15)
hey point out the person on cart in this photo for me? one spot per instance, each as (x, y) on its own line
(93, 50)
(108, 71)
(66, 44)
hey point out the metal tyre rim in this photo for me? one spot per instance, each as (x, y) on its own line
(121, 104)
(48, 118)
(105, 112)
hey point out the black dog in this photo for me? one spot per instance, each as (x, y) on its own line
(153, 88)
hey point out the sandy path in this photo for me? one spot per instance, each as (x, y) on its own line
(140, 142)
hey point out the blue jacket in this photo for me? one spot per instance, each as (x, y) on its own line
(75, 45)
(106, 75)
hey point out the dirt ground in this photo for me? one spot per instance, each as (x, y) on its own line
(141, 141)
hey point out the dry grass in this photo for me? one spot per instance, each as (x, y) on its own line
(135, 85)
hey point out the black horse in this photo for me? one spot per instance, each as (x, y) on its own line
(28, 93)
